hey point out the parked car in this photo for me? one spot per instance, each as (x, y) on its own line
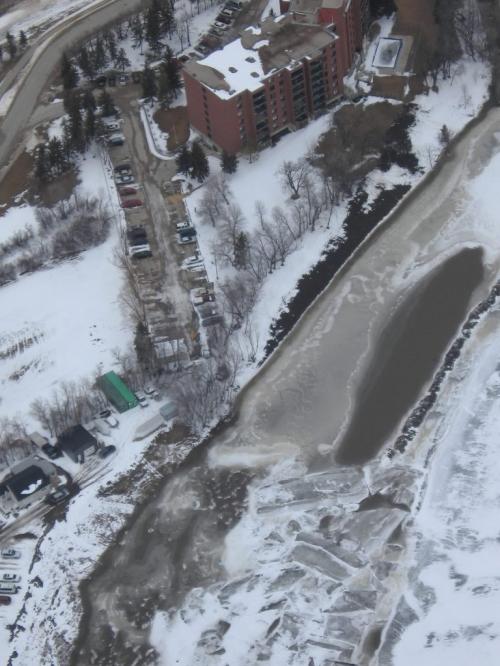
(131, 203)
(116, 140)
(10, 578)
(52, 451)
(5, 600)
(123, 179)
(10, 554)
(143, 402)
(126, 191)
(223, 18)
(125, 167)
(151, 392)
(220, 26)
(8, 588)
(111, 420)
(123, 80)
(37, 439)
(136, 77)
(112, 81)
(111, 126)
(141, 253)
(106, 451)
(100, 81)
(58, 496)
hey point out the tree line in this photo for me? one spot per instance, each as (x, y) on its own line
(13, 47)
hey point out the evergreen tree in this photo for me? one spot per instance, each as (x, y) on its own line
(444, 136)
(69, 73)
(167, 19)
(11, 45)
(184, 160)
(41, 163)
(241, 250)
(90, 124)
(138, 33)
(88, 100)
(85, 62)
(164, 92)
(77, 134)
(100, 57)
(172, 68)
(153, 26)
(121, 60)
(229, 162)
(199, 163)
(56, 155)
(107, 104)
(23, 40)
(110, 41)
(148, 84)
(71, 100)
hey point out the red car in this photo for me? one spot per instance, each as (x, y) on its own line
(4, 600)
(127, 190)
(131, 203)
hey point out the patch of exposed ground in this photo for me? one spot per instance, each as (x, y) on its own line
(16, 180)
(175, 123)
(358, 135)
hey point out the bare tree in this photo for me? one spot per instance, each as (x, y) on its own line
(292, 176)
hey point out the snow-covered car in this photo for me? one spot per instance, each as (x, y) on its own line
(112, 421)
(123, 179)
(151, 392)
(116, 140)
(220, 26)
(10, 578)
(143, 402)
(10, 554)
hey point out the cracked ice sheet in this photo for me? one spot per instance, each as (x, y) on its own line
(454, 589)
(281, 583)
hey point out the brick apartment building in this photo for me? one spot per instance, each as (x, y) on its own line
(274, 78)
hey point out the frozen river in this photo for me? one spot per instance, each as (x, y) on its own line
(256, 551)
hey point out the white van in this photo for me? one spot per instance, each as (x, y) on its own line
(8, 588)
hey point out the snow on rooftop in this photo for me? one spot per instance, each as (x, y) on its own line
(241, 67)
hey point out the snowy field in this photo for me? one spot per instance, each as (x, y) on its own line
(69, 315)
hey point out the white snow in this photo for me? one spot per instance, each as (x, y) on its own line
(240, 67)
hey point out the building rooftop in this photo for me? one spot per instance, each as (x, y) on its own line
(246, 62)
(76, 439)
(26, 482)
(311, 6)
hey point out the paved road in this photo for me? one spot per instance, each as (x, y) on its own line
(46, 57)
(290, 421)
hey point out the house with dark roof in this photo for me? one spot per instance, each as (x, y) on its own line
(29, 480)
(77, 442)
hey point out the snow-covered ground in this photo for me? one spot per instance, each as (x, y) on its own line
(449, 611)
(31, 15)
(70, 312)
(454, 104)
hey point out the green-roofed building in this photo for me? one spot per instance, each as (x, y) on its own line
(117, 392)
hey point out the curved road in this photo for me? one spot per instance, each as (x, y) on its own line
(41, 61)
(299, 556)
